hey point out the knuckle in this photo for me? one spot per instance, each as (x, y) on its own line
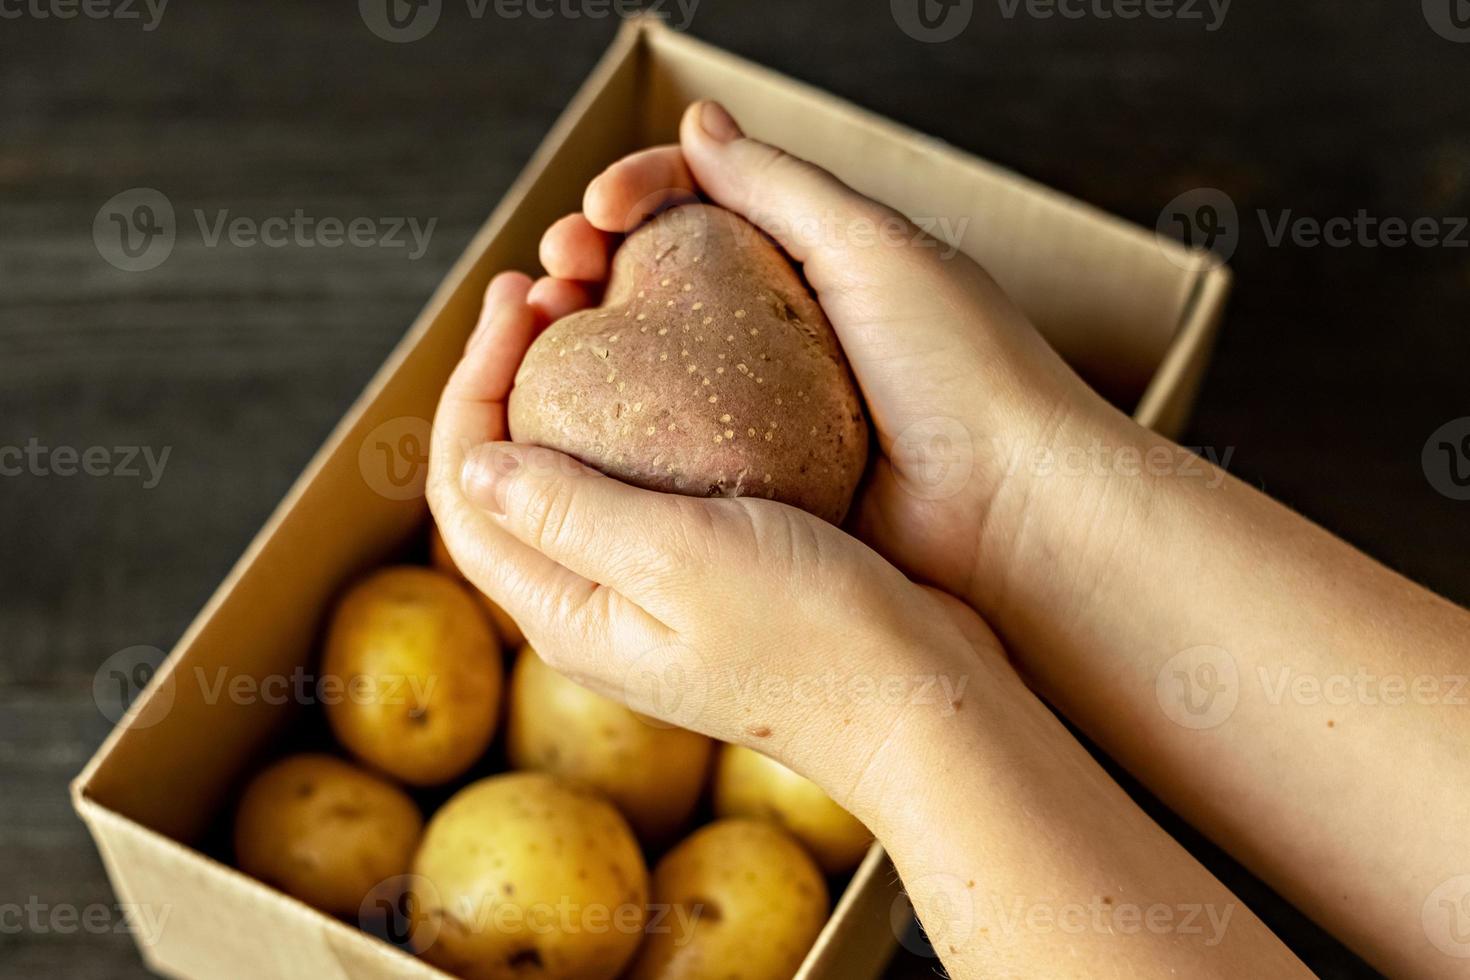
(548, 514)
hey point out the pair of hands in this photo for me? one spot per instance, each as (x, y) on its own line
(746, 619)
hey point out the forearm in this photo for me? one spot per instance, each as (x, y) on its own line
(1296, 700)
(1024, 859)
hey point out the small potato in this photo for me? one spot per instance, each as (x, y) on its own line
(420, 673)
(738, 898)
(510, 634)
(525, 876)
(652, 772)
(325, 831)
(748, 784)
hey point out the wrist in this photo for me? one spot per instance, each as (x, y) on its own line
(1077, 475)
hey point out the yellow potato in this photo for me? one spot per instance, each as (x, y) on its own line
(439, 557)
(525, 876)
(418, 675)
(738, 898)
(653, 773)
(325, 831)
(748, 784)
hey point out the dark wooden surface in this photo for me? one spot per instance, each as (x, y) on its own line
(1334, 366)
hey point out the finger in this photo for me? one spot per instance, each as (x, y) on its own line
(800, 205)
(472, 407)
(636, 187)
(559, 610)
(504, 291)
(573, 249)
(648, 546)
(553, 299)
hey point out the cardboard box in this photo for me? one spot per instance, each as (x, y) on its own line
(1135, 314)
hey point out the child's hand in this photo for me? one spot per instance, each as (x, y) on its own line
(743, 618)
(947, 365)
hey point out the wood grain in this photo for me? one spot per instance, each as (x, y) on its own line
(1334, 366)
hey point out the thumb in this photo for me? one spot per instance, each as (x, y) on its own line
(820, 221)
(635, 541)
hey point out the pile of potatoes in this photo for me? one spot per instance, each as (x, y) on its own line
(541, 871)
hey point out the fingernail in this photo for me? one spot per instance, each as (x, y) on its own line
(485, 476)
(718, 123)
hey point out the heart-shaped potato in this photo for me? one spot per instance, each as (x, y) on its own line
(709, 371)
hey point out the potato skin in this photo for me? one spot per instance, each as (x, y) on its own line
(325, 831)
(653, 773)
(749, 784)
(759, 899)
(422, 646)
(441, 560)
(708, 371)
(525, 876)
